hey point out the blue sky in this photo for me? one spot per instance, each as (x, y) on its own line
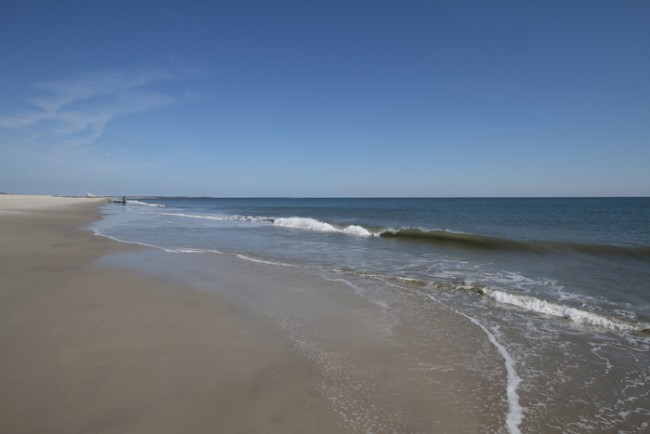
(326, 98)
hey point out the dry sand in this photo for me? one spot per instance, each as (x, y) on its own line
(90, 349)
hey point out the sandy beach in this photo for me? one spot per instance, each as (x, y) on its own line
(89, 348)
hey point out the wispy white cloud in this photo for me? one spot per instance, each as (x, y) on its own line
(75, 112)
(60, 93)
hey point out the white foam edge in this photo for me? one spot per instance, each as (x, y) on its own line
(576, 315)
(98, 233)
(263, 261)
(515, 410)
(165, 249)
(191, 250)
(137, 202)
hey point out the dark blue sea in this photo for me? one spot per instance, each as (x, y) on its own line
(543, 303)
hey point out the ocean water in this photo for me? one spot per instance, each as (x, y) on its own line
(523, 315)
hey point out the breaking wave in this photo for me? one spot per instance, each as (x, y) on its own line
(137, 202)
(473, 241)
(539, 306)
(521, 301)
(525, 302)
(442, 238)
(319, 226)
(458, 239)
(580, 316)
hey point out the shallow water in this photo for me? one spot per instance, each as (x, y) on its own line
(480, 315)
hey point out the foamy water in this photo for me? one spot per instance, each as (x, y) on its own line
(561, 318)
(579, 316)
(318, 226)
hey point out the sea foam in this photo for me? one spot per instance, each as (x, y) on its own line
(137, 202)
(515, 410)
(576, 315)
(319, 226)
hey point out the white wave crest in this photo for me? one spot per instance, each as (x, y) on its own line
(137, 202)
(579, 316)
(357, 230)
(319, 226)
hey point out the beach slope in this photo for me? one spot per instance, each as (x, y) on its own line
(88, 348)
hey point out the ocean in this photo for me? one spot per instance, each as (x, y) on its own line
(423, 314)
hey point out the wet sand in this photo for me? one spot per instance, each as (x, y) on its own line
(89, 348)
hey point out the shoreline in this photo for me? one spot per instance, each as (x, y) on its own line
(96, 348)
(388, 361)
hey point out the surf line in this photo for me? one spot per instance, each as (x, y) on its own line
(515, 411)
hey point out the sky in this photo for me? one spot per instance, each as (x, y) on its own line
(325, 98)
